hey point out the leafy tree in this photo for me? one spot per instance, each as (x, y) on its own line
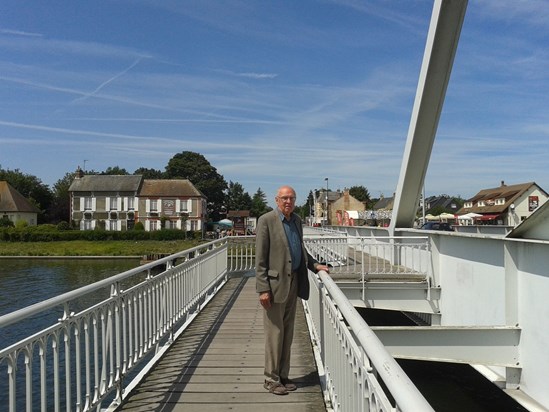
(361, 194)
(115, 171)
(149, 173)
(237, 198)
(259, 204)
(309, 205)
(30, 187)
(60, 206)
(195, 167)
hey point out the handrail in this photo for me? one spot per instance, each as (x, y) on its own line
(406, 395)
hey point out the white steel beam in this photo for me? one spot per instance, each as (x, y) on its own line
(440, 49)
(488, 345)
(401, 296)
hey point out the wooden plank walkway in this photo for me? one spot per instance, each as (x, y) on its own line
(217, 363)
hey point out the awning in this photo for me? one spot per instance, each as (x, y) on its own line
(488, 217)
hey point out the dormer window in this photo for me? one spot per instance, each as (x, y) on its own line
(480, 203)
(468, 204)
(500, 201)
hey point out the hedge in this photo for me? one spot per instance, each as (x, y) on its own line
(49, 233)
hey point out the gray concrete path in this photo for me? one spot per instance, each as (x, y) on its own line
(217, 363)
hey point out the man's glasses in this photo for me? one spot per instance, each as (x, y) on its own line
(286, 198)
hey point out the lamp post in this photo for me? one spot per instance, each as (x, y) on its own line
(327, 215)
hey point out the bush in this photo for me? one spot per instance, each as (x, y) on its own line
(61, 232)
(6, 222)
(63, 226)
(21, 224)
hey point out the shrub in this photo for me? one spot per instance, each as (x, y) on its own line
(6, 222)
(63, 226)
(21, 224)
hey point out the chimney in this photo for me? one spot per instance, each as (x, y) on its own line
(503, 183)
(79, 174)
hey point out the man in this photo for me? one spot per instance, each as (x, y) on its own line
(281, 277)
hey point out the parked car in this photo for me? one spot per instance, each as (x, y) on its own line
(437, 226)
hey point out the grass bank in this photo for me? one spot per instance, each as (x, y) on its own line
(95, 248)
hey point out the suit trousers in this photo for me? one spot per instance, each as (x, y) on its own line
(278, 325)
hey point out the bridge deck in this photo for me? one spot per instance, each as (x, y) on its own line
(217, 363)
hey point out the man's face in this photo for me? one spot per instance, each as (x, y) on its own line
(285, 200)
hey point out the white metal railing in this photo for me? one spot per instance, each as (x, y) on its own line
(353, 358)
(388, 255)
(85, 358)
(88, 358)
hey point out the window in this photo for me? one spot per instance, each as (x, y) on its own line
(468, 204)
(184, 206)
(113, 225)
(500, 201)
(154, 205)
(88, 225)
(481, 203)
(114, 203)
(88, 203)
(154, 224)
(131, 201)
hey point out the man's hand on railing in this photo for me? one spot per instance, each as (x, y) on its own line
(325, 268)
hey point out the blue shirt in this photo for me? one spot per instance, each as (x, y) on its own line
(294, 241)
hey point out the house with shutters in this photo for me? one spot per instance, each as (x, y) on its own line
(107, 202)
(174, 203)
(118, 202)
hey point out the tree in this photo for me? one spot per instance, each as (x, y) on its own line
(149, 173)
(60, 205)
(30, 187)
(259, 204)
(237, 198)
(361, 194)
(194, 167)
(115, 171)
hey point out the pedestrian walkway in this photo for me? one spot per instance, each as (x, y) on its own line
(217, 363)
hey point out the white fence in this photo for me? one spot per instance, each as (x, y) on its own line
(356, 255)
(84, 359)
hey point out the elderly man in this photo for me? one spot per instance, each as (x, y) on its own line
(281, 277)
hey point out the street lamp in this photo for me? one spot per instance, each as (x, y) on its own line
(326, 201)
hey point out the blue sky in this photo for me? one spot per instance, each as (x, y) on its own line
(271, 92)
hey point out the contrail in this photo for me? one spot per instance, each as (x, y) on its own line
(106, 82)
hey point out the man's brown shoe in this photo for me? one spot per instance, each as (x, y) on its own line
(275, 387)
(288, 384)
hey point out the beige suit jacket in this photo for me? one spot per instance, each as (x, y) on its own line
(273, 262)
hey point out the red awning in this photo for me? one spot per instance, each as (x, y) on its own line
(487, 217)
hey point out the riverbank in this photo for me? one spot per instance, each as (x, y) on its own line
(85, 248)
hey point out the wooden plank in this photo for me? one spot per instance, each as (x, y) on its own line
(217, 364)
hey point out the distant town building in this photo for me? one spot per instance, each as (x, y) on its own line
(504, 205)
(346, 210)
(243, 223)
(15, 207)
